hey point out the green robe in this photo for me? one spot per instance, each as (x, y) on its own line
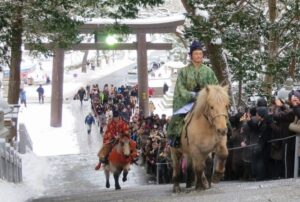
(189, 78)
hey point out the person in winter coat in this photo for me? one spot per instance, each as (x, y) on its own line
(81, 93)
(41, 91)
(22, 96)
(89, 121)
(262, 151)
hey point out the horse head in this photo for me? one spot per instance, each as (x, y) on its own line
(124, 145)
(212, 103)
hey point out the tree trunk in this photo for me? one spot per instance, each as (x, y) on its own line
(16, 55)
(240, 92)
(273, 49)
(292, 66)
(217, 61)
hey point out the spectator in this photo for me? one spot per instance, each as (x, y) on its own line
(47, 79)
(165, 88)
(151, 107)
(81, 93)
(151, 91)
(92, 66)
(41, 91)
(261, 151)
(22, 95)
(89, 120)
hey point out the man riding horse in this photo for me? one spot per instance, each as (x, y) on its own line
(116, 128)
(191, 79)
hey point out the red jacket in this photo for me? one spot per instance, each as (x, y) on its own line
(114, 128)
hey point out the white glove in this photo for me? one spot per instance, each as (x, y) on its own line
(193, 94)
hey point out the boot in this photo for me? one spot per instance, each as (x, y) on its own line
(98, 166)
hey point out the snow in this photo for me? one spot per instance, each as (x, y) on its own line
(217, 41)
(202, 13)
(144, 21)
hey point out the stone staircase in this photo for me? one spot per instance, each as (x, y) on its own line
(279, 190)
(74, 175)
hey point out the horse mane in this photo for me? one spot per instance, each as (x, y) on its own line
(211, 95)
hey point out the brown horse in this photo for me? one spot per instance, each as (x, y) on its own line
(205, 132)
(119, 160)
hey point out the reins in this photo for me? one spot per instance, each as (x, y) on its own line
(211, 120)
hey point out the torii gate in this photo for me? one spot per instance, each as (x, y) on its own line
(140, 27)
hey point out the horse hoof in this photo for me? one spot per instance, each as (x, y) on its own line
(176, 189)
(188, 185)
(206, 185)
(216, 178)
(107, 185)
(118, 187)
(124, 179)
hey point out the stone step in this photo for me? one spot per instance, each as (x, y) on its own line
(278, 190)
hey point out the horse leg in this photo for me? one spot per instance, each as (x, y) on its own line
(221, 154)
(125, 173)
(176, 157)
(208, 169)
(199, 166)
(116, 177)
(106, 172)
(189, 173)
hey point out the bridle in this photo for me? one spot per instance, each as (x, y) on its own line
(211, 119)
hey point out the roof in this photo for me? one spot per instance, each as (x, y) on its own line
(144, 25)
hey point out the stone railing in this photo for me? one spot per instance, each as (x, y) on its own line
(25, 142)
(10, 163)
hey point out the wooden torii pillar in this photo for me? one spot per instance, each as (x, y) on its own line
(165, 25)
(57, 88)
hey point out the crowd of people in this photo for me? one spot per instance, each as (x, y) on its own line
(264, 135)
(121, 104)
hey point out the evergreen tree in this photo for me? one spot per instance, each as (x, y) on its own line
(260, 39)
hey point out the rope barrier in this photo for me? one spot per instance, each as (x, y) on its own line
(252, 145)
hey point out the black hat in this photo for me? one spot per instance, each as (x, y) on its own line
(261, 102)
(116, 113)
(196, 45)
(297, 94)
(262, 111)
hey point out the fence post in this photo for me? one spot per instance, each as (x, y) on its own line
(2, 159)
(20, 169)
(15, 166)
(157, 172)
(11, 163)
(296, 162)
(7, 162)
